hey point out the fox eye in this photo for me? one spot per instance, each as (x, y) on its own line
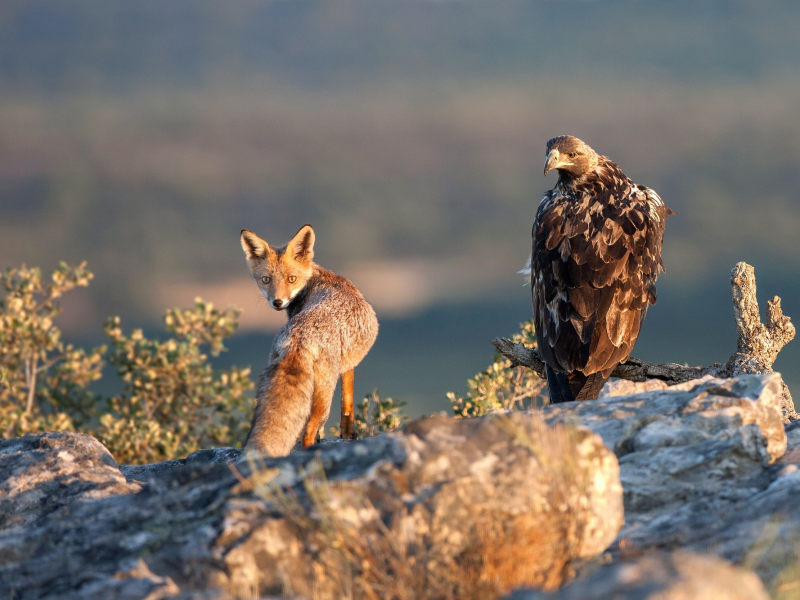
(266, 279)
(292, 278)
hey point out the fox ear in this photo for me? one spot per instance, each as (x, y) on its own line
(301, 247)
(254, 247)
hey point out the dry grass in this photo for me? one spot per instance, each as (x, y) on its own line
(776, 557)
(358, 552)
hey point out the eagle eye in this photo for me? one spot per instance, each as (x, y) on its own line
(572, 154)
(266, 279)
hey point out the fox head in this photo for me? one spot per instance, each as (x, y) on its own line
(281, 273)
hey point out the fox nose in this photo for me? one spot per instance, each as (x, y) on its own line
(277, 303)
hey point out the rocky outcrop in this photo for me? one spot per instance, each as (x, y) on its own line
(706, 466)
(47, 476)
(687, 453)
(211, 456)
(443, 494)
(681, 575)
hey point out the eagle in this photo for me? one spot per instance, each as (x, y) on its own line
(596, 256)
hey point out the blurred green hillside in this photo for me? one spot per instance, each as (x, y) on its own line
(143, 136)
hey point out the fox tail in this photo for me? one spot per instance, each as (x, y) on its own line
(284, 404)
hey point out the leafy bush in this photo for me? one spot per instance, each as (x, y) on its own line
(172, 402)
(502, 386)
(375, 415)
(43, 382)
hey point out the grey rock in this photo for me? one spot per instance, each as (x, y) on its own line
(141, 473)
(133, 581)
(687, 452)
(195, 528)
(51, 474)
(457, 480)
(212, 456)
(763, 530)
(624, 387)
(681, 575)
(706, 465)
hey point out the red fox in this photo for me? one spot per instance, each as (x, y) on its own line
(330, 330)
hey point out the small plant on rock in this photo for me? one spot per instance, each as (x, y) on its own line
(375, 415)
(501, 385)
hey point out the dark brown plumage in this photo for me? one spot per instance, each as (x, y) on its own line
(596, 256)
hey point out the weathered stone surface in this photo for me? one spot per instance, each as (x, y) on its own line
(762, 531)
(194, 527)
(460, 482)
(50, 474)
(657, 576)
(706, 465)
(687, 450)
(134, 580)
(141, 473)
(211, 456)
(712, 408)
(624, 387)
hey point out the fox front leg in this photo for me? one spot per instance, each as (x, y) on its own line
(347, 425)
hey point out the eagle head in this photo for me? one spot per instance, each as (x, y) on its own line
(572, 157)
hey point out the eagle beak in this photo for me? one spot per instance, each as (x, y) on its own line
(551, 162)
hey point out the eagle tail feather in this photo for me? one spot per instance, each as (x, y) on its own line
(592, 386)
(575, 386)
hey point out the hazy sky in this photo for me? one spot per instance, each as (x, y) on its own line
(143, 136)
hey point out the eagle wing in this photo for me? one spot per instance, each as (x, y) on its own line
(595, 260)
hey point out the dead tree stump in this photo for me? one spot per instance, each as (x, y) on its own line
(757, 344)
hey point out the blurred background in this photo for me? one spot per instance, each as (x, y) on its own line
(142, 136)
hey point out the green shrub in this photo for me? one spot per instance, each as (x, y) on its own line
(43, 382)
(172, 403)
(375, 415)
(502, 386)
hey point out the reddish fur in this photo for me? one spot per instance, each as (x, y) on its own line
(347, 424)
(330, 330)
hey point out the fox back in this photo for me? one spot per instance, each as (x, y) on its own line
(330, 330)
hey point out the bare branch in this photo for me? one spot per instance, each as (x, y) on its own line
(519, 355)
(633, 370)
(47, 365)
(30, 380)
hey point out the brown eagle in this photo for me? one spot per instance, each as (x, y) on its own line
(596, 256)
